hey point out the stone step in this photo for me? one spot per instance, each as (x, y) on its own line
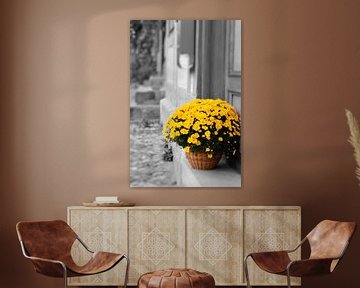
(142, 97)
(149, 97)
(145, 112)
(156, 81)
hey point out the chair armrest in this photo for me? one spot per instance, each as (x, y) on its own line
(280, 251)
(83, 244)
(309, 267)
(48, 267)
(298, 246)
(269, 252)
(271, 261)
(46, 260)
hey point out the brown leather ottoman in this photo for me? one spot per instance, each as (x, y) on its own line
(176, 278)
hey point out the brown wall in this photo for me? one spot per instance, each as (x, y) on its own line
(64, 112)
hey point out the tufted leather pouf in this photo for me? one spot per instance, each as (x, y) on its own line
(176, 278)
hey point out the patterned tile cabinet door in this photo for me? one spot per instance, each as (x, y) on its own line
(156, 240)
(210, 239)
(269, 230)
(101, 230)
(214, 244)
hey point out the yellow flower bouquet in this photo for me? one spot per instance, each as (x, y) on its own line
(205, 125)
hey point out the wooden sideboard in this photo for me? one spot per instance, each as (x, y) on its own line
(212, 239)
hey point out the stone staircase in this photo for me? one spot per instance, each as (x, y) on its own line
(145, 100)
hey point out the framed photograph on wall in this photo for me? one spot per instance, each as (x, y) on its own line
(185, 103)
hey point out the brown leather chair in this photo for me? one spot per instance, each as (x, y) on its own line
(48, 245)
(328, 242)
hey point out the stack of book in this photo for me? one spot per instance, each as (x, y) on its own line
(106, 199)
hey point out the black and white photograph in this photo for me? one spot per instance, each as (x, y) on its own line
(185, 103)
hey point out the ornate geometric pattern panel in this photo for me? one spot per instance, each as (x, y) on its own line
(156, 240)
(214, 244)
(271, 230)
(101, 230)
(211, 239)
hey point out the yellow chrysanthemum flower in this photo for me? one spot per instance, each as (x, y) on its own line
(200, 119)
(207, 135)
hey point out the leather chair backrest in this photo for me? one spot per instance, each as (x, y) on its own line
(46, 239)
(329, 239)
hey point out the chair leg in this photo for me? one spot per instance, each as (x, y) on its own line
(246, 270)
(65, 276)
(127, 271)
(288, 278)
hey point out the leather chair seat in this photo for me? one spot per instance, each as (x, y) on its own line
(272, 262)
(48, 245)
(328, 242)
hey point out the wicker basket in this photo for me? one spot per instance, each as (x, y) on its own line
(200, 161)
